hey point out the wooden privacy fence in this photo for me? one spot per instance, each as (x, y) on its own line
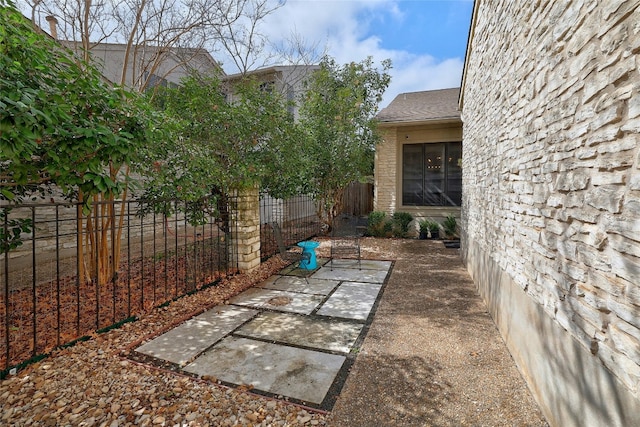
(358, 199)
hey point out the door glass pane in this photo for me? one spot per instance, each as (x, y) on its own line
(454, 174)
(412, 174)
(433, 174)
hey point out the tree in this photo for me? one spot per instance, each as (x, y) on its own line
(215, 142)
(162, 36)
(59, 122)
(338, 116)
(63, 128)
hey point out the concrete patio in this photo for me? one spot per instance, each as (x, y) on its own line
(285, 338)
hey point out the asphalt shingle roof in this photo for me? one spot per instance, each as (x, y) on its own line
(425, 105)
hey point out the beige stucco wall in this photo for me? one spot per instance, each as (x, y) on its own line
(172, 65)
(388, 166)
(551, 197)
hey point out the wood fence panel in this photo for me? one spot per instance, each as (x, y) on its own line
(358, 199)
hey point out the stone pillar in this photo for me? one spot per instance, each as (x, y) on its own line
(245, 229)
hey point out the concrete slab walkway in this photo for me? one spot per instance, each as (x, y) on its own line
(286, 338)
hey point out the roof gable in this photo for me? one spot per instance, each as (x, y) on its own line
(431, 105)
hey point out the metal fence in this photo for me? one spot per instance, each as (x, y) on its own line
(297, 219)
(72, 274)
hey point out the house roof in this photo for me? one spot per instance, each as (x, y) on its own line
(274, 69)
(170, 64)
(425, 106)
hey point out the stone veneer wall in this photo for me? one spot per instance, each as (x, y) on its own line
(551, 204)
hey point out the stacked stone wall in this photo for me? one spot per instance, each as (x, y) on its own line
(551, 164)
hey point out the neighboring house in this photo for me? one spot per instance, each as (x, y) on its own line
(148, 66)
(418, 164)
(143, 67)
(551, 197)
(286, 79)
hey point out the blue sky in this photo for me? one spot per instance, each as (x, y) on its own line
(425, 39)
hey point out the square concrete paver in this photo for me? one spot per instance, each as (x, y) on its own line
(186, 341)
(365, 264)
(351, 274)
(324, 334)
(297, 373)
(352, 300)
(293, 302)
(297, 284)
(285, 336)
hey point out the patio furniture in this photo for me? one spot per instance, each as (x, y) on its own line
(345, 238)
(302, 258)
(309, 251)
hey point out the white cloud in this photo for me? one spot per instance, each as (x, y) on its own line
(419, 73)
(348, 30)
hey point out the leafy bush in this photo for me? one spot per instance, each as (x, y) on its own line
(379, 225)
(401, 222)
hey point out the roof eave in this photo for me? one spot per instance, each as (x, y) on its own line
(439, 120)
(271, 69)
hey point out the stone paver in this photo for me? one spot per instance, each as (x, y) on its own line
(352, 300)
(351, 274)
(281, 370)
(365, 264)
(183, 343)
(297, 284)
(293, 302)
(303, 331)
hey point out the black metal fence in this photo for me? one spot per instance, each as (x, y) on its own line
(297, 219)
(73, 272)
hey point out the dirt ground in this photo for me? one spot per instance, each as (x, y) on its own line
(432, 357)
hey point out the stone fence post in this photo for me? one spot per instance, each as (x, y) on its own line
(245, 229)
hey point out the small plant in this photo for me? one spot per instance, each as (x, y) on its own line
(379, 225)
(450, 226)
(429, 228)
(401, 222)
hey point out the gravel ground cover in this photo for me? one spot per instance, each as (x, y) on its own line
(431, 357)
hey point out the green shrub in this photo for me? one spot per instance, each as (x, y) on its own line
(379, 225)
(450, 226)
(427, 226)
(401, 222)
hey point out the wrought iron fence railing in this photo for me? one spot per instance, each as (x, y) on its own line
(64, 273)
(297, 219)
